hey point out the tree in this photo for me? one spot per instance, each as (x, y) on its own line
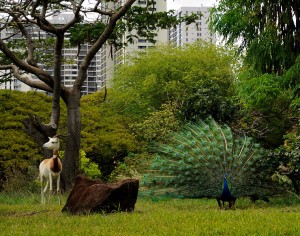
(19, 155)
(270, 103)
(268, 30)
(197, 79)
(269, 35)
(106, 141)
(21, 16)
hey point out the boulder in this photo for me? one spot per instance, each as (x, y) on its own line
(89, 195)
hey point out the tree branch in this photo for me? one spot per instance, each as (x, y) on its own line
(26, 78)
(82, 73)
(29, 42)
(77, 17)
(40, 73)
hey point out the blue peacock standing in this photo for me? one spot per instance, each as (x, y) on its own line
(207, 160)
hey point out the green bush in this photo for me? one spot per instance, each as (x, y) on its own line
(106, 138)
(19, 182)
(88, 167)
(132, 166)
(18, 152)
(287, 157)
(198, 77)
(157, 125)
(268, 103)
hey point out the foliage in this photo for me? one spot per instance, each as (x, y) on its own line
(139, 21)
(198, 78)
(270, 93)
(18, 152)
(157, 125)
(264, 92)
(19, 182)
(291, 81)
(86, 166)
(33, 20)
(265, 101)
(269, 103)
(287, 156)
(144, 20)
(88, 32)
(121, 172)
(194, 161)
(133, 166)
(106, 140)
(18, 47)
(267, 30)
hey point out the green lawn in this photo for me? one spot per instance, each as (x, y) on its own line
(25, 216)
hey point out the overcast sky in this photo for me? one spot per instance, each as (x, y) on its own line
(176, 4)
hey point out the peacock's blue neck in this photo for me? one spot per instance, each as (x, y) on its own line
(226, 194)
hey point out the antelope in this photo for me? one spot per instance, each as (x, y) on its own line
(50, 169)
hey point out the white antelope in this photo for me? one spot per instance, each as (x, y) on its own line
(50, 169)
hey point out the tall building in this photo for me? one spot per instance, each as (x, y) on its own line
(72, 59)
(109, 57)
(14, 84)
(183, 34)
(101, 69)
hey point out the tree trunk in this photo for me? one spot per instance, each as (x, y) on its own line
(71, 157)
(39, 132)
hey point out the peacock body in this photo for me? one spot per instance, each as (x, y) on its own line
(207, 160)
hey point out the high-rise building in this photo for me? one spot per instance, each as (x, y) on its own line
(14, 84)
(101, 69)
(72, 58)
(183, 34)
(109, 57)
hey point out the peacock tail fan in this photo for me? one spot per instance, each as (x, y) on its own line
(194, 161)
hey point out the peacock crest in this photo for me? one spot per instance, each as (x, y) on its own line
(206, 159)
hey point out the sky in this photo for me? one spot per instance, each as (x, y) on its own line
(176, 4)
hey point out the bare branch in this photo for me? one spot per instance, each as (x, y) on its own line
(100, 42)
(40, 20)
(102, 12)
(30, 43)
(43, 75)
(77, 16)
(26, 78)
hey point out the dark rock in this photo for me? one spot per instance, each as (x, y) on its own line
(96, 196)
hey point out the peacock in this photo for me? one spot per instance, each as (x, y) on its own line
(206, 159)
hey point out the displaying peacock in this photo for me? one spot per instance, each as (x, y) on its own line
(207, 160)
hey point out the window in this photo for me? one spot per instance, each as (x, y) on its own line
(142, 40)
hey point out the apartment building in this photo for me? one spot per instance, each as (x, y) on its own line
(109, 57)
(179, 36)
(103, 65)
(72, 59)
(15, 84)
(183, 34)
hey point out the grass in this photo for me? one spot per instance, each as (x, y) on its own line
(23, 215)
